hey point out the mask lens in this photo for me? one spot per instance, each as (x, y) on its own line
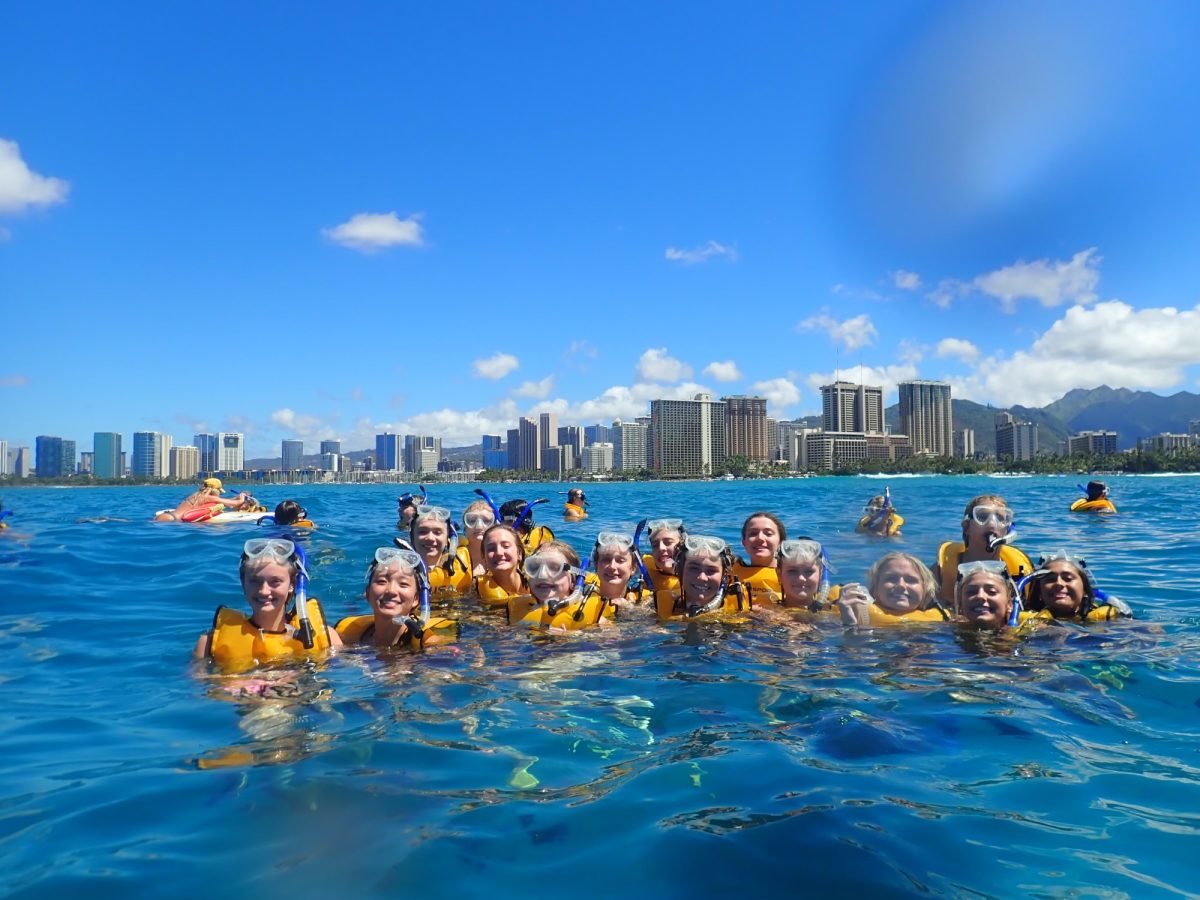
(479, 520)
(991, 566)
(435, 512)
(386, 556)
(699, 543)
(277, 549)
(545, 568)
(984, 515)
(800, 550)
(614, 539)
(659, 524)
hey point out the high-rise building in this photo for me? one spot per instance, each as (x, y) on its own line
(209, 447)
(629, 446)
(530, 445)
(85, 462)
(598, 457)
(389, 453)
(292, 454)
(231, 451)
(964, 443)
(5, 465)
(1015, 440)
(596, 434)
(106, 450)
(1092, 442)
(556, 459)
(547, 430)
(331, 447)
(926, 417)
(746, 427)
(22, 462)
(494, 456)
(50, 456)
(512, 450)
(571, 437)
(185, 463)
(1166, 443)
(151, 454)
(422, 453)
(688, 435)
(331, 462)
(851, 407)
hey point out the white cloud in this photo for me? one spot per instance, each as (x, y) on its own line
(21, 187)
(301, 426)
(905, 280)
(628, 402)
(369, 232)
(1050, 282)
(1109, 343)
(853, 333)
(885, 376)
(582, 348)
(947, 291)
(957, 348)
(706, 251)
(655, 365)
(910, 351)
(539, 389)
(780, 393)
(495, 367)
(13, 381)
(723, 371)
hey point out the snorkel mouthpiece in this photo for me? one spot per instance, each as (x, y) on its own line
(997, 540)
(305, 628)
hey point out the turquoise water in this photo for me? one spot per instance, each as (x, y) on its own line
(663, 760)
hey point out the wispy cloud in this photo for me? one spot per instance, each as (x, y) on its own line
(706, 251)
(656, 365)
(13, 381)
(1050, 282)
(21, 187)
(495, 367)
(853, 333)
(723, 371)
(537, 389)
(958, 348)
(905, 280)
(369, 232)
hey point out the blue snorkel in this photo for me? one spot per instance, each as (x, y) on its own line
(305, 629)
(490, 502)
(4, 514)
(637, 554)
(525, 513)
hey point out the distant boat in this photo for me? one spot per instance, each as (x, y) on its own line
(728, 476)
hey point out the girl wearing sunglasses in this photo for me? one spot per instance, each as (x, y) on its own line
(987, 528)
(270, 572)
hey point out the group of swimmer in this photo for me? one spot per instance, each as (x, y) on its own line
(497, 558)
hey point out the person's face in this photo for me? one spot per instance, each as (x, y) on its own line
(546, 585)
(615, 566)
(761, 539)
(1062, 590)
(996, 522)
(477, 519)
(392, 590)
(663, 544)
(898, 586)
(500, 552)
(431, 537)
(800, 580)
(701, 578)
(267, 587)
(984, 600)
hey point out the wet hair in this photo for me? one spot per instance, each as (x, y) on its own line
(568, 552)
(1096, 489)
(1032, 594)
(289, 511)
(762, 514)
(510, 511)
(1005, 577)
(929, 585)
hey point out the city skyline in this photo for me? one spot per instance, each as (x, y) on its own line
(439, 221)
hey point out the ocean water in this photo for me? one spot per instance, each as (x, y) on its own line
(663, 760)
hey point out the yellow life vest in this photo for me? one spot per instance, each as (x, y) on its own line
(581, 613)
(768, 597)
(450, 576)
(361, 629)
(757, 578)
(573, 511)
(884, 526)
(1103, 505)
(951, 552)
(880, 616)
(490, 593)
(661, 581)
(236, 645)
(669, 604)
(537, 536)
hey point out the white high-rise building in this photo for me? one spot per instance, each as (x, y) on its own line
(629, 442)
(185, 462)
(231, 451)
(598, 458)
(847, 407)
(688, 435)
(4, 464)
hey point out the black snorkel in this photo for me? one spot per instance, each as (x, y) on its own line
(637, 554)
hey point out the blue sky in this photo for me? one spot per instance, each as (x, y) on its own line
(309, 221)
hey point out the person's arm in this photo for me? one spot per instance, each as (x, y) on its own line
(335, 639)
(202, 646)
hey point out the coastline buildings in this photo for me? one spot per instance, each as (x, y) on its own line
(630, 442)
(688, 435)
(964, 443)
(1015, 440)
(55, 456)
(1104, 442)
(494, 455)
(529, 447)
(598, 458)
(106, 454)
(5, 463)
(388, 452)
(422, 453)
(231, 451)
(926, 417)
(291, 454)
(746, 427)
(854, 408)
(151, 454)
(185, 462)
